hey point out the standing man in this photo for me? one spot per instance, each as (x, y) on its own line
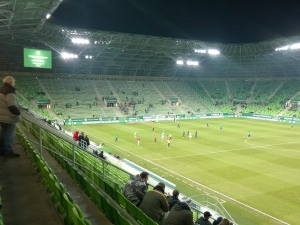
(196, 134)
(152, 127)
(249, 134)
(183, 134)
(134, 135)
(9, 116)
(168, 142)
(116, 138)
(154, 139)
(178, 125)
(221, 127)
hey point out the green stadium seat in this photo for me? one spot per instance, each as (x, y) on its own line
(99, 181)
(121, 200)
(98, 200)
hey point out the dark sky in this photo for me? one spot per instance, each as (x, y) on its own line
(225, 21)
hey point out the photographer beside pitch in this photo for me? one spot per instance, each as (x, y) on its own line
(10, 115)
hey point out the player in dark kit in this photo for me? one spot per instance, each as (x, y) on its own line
(183, 134)
(196, 134)
(178, 126)
(152, 127)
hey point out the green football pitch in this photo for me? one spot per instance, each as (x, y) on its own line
(257, 179)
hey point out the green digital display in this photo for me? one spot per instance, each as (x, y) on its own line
(37, 58)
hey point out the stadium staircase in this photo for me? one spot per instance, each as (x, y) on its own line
(230, 97)
(289, 107)
(181, 110)
(251, 93)
(161, 96)
(206, 91)
(275, 91)
(115, 94)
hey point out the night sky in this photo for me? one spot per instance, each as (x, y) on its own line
(225, 21)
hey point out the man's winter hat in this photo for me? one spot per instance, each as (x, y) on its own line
(207, 214)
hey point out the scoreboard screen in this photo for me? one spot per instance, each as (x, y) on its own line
(36, 58)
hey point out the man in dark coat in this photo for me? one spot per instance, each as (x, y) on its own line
(180, 214)
(80, 139)
(135, 189)
(204, 220)
(155, 204)
(172, 200)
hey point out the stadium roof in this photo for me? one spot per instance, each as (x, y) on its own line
(23, 24)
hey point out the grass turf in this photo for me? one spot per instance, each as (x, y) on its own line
(260, 173)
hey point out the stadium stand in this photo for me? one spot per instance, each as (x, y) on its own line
(240, 90)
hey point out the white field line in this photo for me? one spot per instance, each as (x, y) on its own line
(179, 175)
(231, 150)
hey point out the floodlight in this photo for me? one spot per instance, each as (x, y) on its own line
(203, 51)
(284, 48)
(48, 16)
(91, 57)
(86, 56)
(66, 55)
(213, 52)
(295, 46)
(179, 62)
(192, 63)
(80, 41)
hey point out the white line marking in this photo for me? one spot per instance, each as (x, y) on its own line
(212, 190)
(232, 150)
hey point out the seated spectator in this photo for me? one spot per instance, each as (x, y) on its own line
(87, 140)
(136, 188)
(81, 139)
(101, 155)
(217, 222)
(224, 222)
(172, 200)
(181, 213)
(75, 135)
(204, 220)
(155, 204)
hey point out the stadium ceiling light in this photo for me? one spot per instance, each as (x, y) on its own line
(80, 41)
(203, 51)
(48, 16)
(179, 62)
(66, 55)
(284, 48)
(295, 46)
(213, 51)
(192, 63)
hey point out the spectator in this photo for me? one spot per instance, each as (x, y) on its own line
(155, 204)
(87, 140)
(9, 116)
(224, 222)
(204, 220)
(136, 188)
(172, 200)
(217, 222)
(181, 213)
(81, 139)
(75, 135)
(101, 155)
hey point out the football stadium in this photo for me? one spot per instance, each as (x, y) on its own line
(218, 122)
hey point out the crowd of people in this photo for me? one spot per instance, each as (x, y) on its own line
(162, 208)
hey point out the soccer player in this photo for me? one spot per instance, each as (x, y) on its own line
(190, 136)
(178, 125)
(170, 137)
(221, 127)
(207, 125)
(162, 135)
(152, 127)
(138, 140)
(154, 139)
(183, 134)
(196, 134)
(134, 135)
(188, 133)
(249, 134)
(167, 138)
(116, 138)
(292, 125)
(168, 143)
